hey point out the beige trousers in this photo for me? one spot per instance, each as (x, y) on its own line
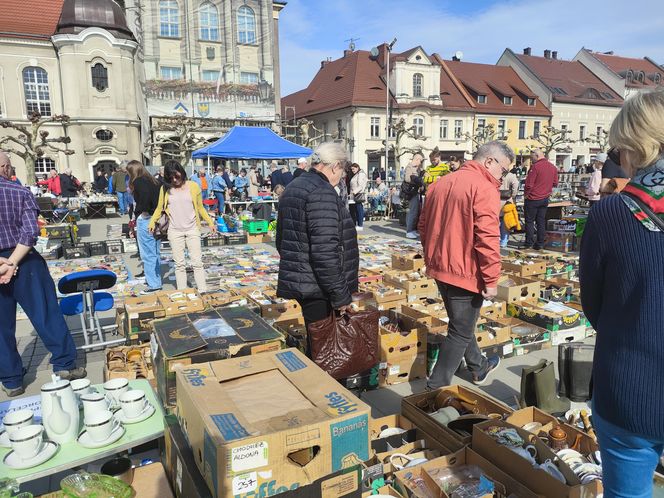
(192, 241)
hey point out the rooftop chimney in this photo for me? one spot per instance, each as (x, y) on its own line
(324, 63)
(526, 51)
(347, 52)
(554, 54)
(547, 54)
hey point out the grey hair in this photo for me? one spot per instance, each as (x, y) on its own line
(493, 148)
(329, 153)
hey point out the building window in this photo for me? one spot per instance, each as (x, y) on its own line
(99, 77)
(599, 131)
(209, 20)
(43, 165)
(375, 127)
(481, 123)
(35, 85)
(392, 132)
(246, 25)
(481, 99)
(582, 132)
(563, 127)
(210, 75)
(340, 129)
(418, 126)
(249, 78)
(531, 102)
(501, 128)
(458, 128)
(170, 73)
(507, 100)
(169, 19)
(104, 135)
(522, 129)
(536, 129)
(417, 85)
(443, 128)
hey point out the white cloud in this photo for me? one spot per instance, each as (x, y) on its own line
(318, 28)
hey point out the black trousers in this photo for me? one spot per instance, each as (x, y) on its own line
(535, 212)
(314, 310)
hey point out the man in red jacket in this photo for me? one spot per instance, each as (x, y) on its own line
(542, 177)
(459, 229)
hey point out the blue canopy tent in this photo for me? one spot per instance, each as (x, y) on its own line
(252, 142)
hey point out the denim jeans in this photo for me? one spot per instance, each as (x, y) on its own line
(504, 234)
(413, 214)
(204, 194)
(628, 460)
(463, 310)
(149, 248)
(122, 202)
(220, 201)
(359, 209)
(535, 212)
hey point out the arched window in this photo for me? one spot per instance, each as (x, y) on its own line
(209, 20)
(417, 85)
(104, 135)
(657, 78)
(418, 126)
(630, 75)
(169, 19)
(641, 77)
(99, 77)
(246, 25)
(35, 85)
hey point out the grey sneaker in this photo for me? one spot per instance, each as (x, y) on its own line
(13, 392)
(75, 373)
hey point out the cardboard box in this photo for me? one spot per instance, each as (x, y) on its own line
(561, 225)
(222, 297)
(524, 268)
(413, 282)
(548, 315)
(369, 276)
(384, 491)
(407, 261)
(503, 350)
(519, 468)
(555, 290)
(206, 336)
(276, 308)
(412, 339)
(400, 369)
(513, 289)
(413, 407)
(269, 423)
(560, 241)
(139, 313)
(430, 473)
(179, 302)
(258, 238)
(384, 298)
(129, 362)
(568, 335)
(490, 333)
(295, 332)
(493, 311)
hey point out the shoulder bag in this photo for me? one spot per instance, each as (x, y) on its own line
(160, 231)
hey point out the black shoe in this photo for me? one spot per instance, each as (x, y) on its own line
(134, 255)
(73, 374)
(491, 364)
(537, 248)
(142, 274)
(525, 247)
(145, 292)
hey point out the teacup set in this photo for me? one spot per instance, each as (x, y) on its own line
(584, 469)
(26, 439)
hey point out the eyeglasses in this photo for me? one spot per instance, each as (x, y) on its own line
(505, 169)
(614, 155)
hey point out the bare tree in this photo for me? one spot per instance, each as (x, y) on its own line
(482, 135)
(600, 139)
(550, 139)
(176, 139)
(33, 142)
(302, 132)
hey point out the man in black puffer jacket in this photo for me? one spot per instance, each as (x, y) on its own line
(316, 238)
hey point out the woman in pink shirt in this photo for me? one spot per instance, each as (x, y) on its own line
(594, 184)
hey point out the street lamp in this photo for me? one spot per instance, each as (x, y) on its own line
(374, 52)
(264, 90)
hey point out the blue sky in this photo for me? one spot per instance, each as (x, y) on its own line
(312, 30)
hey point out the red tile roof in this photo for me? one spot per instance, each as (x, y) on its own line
(571, 82)
(620, 66)
(497, 82)
(36, 19)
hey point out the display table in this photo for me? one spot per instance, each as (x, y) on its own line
(71, 455)
(100, 209)
(247, 203)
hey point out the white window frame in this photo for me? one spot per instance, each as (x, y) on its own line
(583, 129)
(169, 19)
(523, 130)
(532, 101)
(37, 93)
(163, 70)
(374, 127)
(418, 125)
(481, 99)
(209, 75)
(44, 165)
(444, 125)
(418, 84)
(500, 128)
(208, 18)
(507, 100)
(458, 128)
(248, 78)
(481, 123)
(537, 128)
(246, 25)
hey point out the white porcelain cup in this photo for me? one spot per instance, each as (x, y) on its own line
(81, 387)
(94, 403)
(17, 419)
(115, 387)
(27, 441)
(391, 431)
(401, 461)
(133, 403)
(100, 425)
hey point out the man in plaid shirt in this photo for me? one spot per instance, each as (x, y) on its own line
(25, 279)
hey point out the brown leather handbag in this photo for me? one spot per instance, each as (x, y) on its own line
(345, 344)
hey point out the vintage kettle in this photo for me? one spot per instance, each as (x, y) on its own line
(60, 411)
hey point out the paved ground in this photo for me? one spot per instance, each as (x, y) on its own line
(504, 385)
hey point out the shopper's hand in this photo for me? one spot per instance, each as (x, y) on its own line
(490, 293)
(344, 309)
(7, 271)
(213, 229)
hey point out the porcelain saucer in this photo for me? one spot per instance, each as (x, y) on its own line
(4, 440)
(86, 441)
(13, 461)
(143, 416)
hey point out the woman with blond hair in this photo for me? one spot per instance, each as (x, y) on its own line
(622, 290)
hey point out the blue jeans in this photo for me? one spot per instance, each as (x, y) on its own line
(413, 214)
(122, 202)
(628, 460)
(34, 290)
(150, 250)
(504, 234)
(220, 201)
(359, 207)
(204, 194)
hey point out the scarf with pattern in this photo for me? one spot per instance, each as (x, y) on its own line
(648, 186)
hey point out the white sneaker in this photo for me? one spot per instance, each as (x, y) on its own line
(412, 235)
(359, 229)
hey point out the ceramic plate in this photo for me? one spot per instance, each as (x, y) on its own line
(87, 442)
(13, 461)
(144, 416)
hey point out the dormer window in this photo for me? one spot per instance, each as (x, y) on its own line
(417, 85)
(630, 75)
(507, 100)
(481, 99)
(657, 78)
(641, 77)
(531, 102)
